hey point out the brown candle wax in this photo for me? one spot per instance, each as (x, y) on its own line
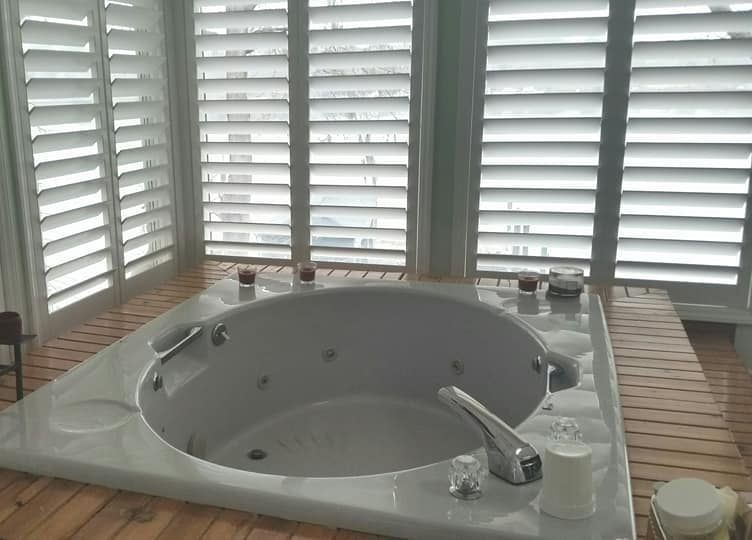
(528, 281)
(247, 275)
(307, 271)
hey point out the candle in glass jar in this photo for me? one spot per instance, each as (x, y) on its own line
(566, 281)
(307, 271)
(527, 282)
(246, 276)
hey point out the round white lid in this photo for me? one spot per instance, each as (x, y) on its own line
(689, 506)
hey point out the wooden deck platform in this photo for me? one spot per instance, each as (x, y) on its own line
(683, 417)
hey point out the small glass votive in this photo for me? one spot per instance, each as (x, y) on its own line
(566, 281)
(307, 271)
(527, 282)
(246, 276)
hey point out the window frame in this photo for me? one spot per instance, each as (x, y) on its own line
(709, 301)
(30, 264)
(22, 248)
(420, 153)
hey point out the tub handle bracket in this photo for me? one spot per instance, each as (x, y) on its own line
(191, 335)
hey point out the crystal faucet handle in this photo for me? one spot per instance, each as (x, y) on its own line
(466, 475)
(565, 429)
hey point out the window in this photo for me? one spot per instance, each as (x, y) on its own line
(62, 58)
(615, 136)
(359, 107)
(96, 124)
(335, 74)
(541, 130)
(244, 122)
(689, 143)
(676, 215)
(137, 62)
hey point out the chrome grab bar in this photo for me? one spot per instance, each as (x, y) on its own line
(190, 336)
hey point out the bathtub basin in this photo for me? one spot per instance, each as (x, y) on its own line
(322, 406)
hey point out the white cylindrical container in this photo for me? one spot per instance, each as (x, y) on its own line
(690, 508)
(568, 480)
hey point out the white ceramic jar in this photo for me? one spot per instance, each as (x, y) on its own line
(690, 509)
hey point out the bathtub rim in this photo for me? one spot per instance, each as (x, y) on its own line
(395, 519)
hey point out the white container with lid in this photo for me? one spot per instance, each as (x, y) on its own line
(568, 474)
(689, 508)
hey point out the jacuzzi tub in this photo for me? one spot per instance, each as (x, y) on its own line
(322, 407)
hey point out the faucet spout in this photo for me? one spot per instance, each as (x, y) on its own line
(510, 457)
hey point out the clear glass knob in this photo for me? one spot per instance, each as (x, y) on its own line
(565, 429)
(466, 475)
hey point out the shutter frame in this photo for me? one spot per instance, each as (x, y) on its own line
(691, 132)
(80, 300)
(244, 134)
(138, 95)
(363, 173)
(551, 85)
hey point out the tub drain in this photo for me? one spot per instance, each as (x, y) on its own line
(257, 454)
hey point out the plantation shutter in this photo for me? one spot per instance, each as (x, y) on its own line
(541, 131)
(243, 91)
(359, 111)
(68, 123)
(137, 65)
(689, 142)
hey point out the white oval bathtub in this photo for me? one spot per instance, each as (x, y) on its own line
(322, 407)
(343, 382)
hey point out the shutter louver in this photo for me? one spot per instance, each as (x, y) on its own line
(243, 91)
(67, 120)
(359, 106)
(137, 55)
(541, 132)
(689, 142)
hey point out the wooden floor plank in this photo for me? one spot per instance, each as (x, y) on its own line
(60, 353)
(675, 430)
(665, 384)
(637, 344)
(687, 461)
(108, 323)
(666, 474)
(21, 522)
(661, 373)
(115, 515)
(636, 390)
(91, 328)
(307, 531)
(151, 520)
(230, 525)
(675, 418)
(74, 345)
(89, 338)
(271, 528)
(73, 514)
(191, 522)
(19, 492)
(658, 404)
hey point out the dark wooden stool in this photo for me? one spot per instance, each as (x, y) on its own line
(17, 365)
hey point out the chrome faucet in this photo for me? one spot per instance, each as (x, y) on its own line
(510, 457)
